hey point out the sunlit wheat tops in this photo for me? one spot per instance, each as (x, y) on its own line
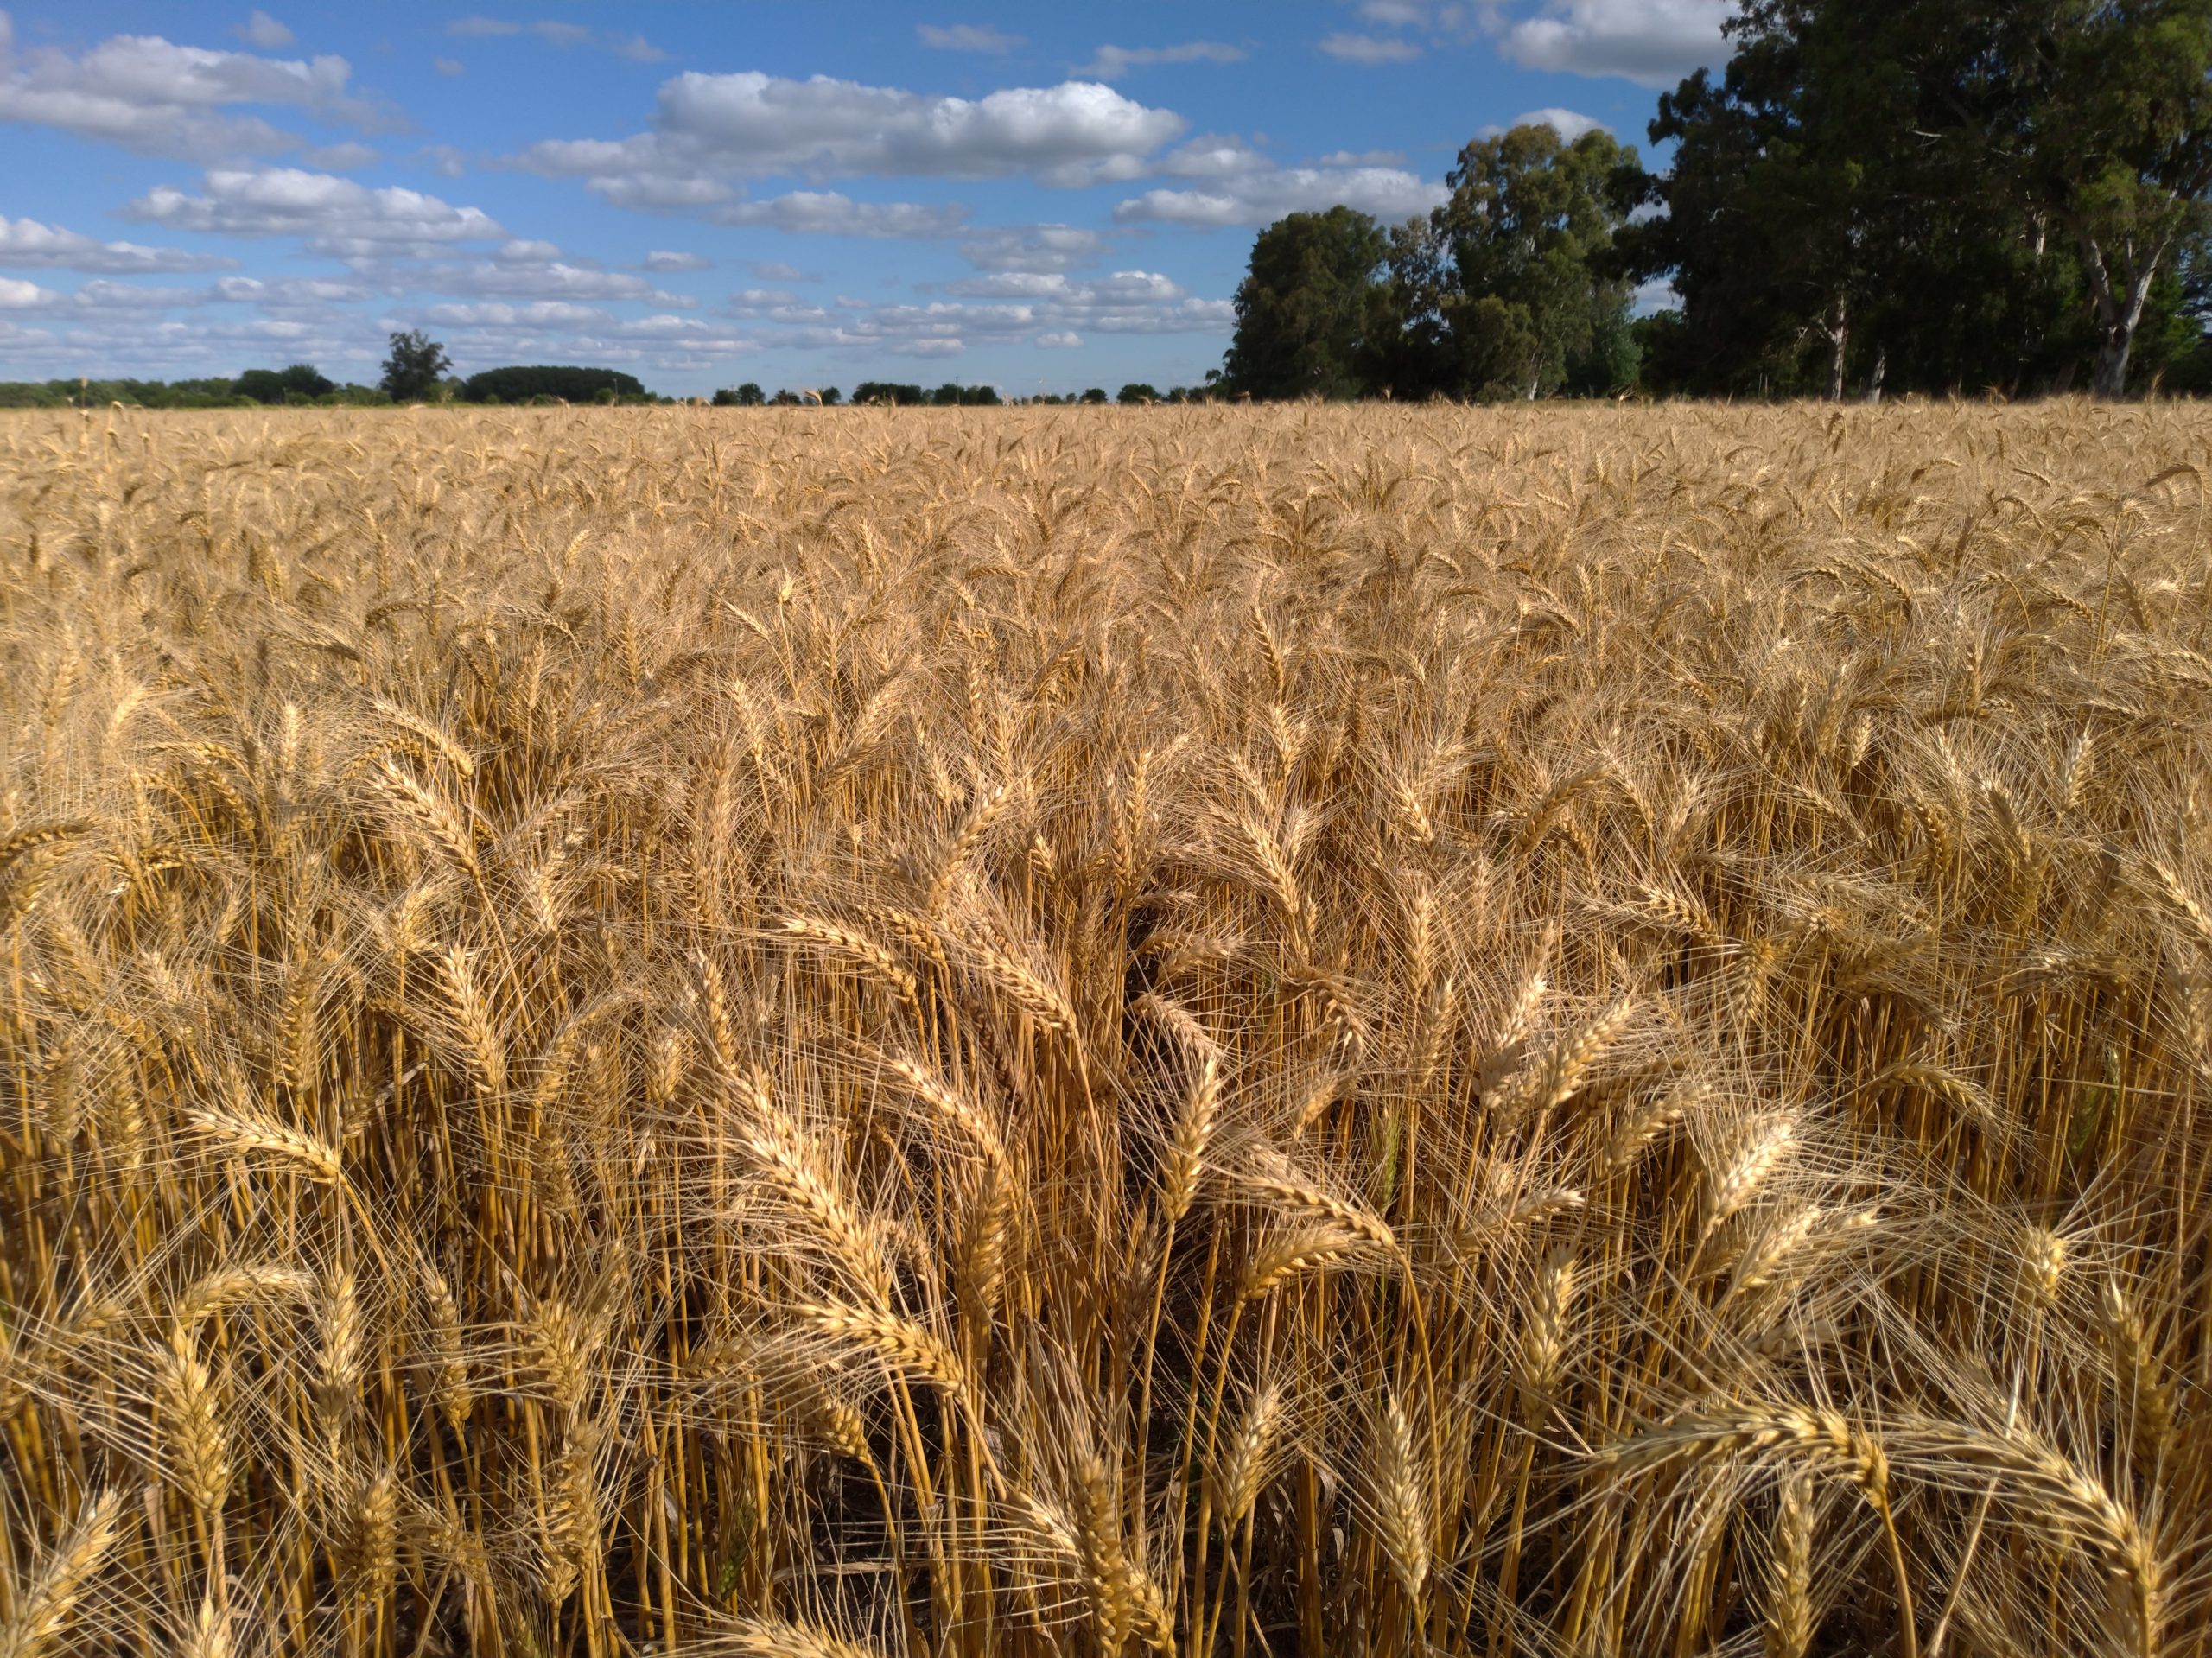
(1209, 1031)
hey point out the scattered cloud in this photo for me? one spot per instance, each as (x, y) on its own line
(150, 95)
(776, 270)
(636, 48)
(1032, 247)
(1112, 63)
(1237, 184)
(666, 259)
(1067, 339)
(264, 31)
(443, 159)
(448, 65)
(1570, 125)
(968, 37)
(709, 129)
(26, 244)
(1651, 42)
(339, 214)
(341, 158)
(1002, 309)
(827, 212)
(1369, 49)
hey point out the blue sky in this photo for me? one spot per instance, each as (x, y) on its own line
(1038, 198)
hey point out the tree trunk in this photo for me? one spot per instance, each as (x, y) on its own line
(1839, 333)
(2119, 309)
(1881, 370)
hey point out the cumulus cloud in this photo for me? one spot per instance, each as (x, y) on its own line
(1005, 308)
(27, 244)
(1068, 339)
(150, 95)
(341, 158)
(1570, 125)
(668, 259)
(967, 37)
(636, 48)
(1369, 49)
(1238, 184)
(264, 31)
(1652, 42)
(827, 212)
(1112, 63)
(339, 214)
(1032, 247)
(710, 129)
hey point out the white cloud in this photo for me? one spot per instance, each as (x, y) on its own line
(636, 48)
(444, 159)
(967, 37)
(341, 158)
(1032, 247)
(1112, 63)
(25, 243)
(1570, 125)
(158, 98)
(16, 295)
(1004, 309)
(827, 212)
(342, 215)
(499, 314)
(667, 259)
(1362, 158)
(1066, 340)
(264, 31)
(289, 293)
(1369, 49)
(1240, 186)
(711, 129)
(1652, 42)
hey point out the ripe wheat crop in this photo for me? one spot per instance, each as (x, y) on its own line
(1220, 1032)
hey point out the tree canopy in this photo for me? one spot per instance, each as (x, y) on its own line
(412, 370)
(569, 384)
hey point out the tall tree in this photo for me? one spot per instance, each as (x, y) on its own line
(411, 371)
(1948, 190)
(2100, 112)
(1305, 308)
(1533, 301)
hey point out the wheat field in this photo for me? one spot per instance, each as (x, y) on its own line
(1219, 1030)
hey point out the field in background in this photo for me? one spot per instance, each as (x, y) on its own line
(1317, 1030)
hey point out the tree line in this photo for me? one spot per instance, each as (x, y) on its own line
(1943, 196)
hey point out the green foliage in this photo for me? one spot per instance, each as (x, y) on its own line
(1093, 394)
(300, 383)
(1137, 391)
(570, 385)
(888, 392)
(411, 371)
(1532, 301)
(1944, 195)
(747, 396)
(1303, 310)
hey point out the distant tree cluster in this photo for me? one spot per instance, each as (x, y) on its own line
(551, 383)
(950, 395)
(1508, 289)
(1936, 195)
(301, 383)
